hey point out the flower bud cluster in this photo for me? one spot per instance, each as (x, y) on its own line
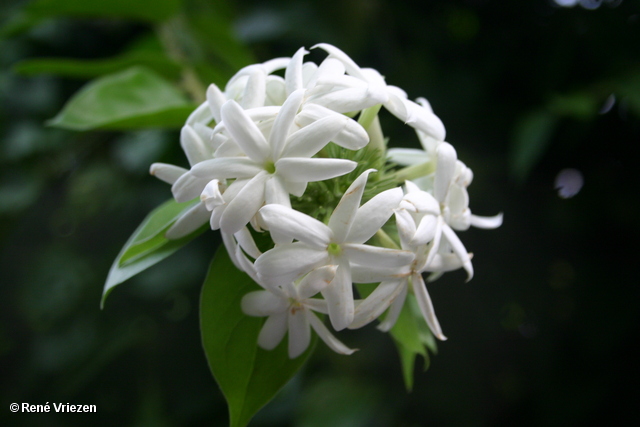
(265, 141)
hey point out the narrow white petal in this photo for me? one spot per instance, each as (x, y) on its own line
(377, 302)
(421, 201)
(445, 262)
(189, 222)
(343, 215)
(273, 331)
(371, 216)
(426, 307)
(245, 205)
(211, 195)
(375, 274)
(325, 335)
(445, 170)
(394, 311)
(215, 99)
(351, 99)
(458, 249)
(407, 156)
(339, 296)
(293, 72)
(316, 281)
(297, 225)
(188, 187)
(372, 256)
(202, 114)
(351, 67)
(286, 263)
(435, 244)
(275, 193)
(302, 169)
(246, 242)
(487, 222)
(426, 230)
(167, 173)
(299, 332)
(245, 132)
(406, 226)
(307, 141)
(226, 167)
(424, 120)
(284, 122)
(263, 303)
(255, 90)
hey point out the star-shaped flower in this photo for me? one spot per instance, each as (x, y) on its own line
(290, 308)
(340, 242)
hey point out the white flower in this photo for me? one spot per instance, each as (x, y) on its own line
(340, 242)
(290, 308)
(278, 159)
(417, 116)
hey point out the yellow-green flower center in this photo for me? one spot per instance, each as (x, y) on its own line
(270, 167)
(334, 249)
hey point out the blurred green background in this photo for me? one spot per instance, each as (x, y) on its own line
(542, 335)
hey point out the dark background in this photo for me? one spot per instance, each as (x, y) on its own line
(542, 335)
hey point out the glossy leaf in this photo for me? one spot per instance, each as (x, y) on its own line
(157, 62)
(134, 98)
(148, 245)
(39, 10)
(248, 376)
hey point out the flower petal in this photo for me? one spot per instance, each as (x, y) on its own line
(487, 222)
(445, 170)
(299, 332)
(286, 263)
(394, 311)
(302, 169)
(263, 303)
(297, 225)
(344, 214)
(373, 256)
(407, 156)
(226, 167)
(339, 296)
(458, 249)
(312, 138)
(377, 302)
(189, 222)
(332, 342)
(371, 216)
(424, 120)
(316, 281)
(245, 132)
(426, 307)
(353, 136)
(215, 99)
(245, 205)
(167, 173)
(188, 187)
(284, 122)
(273, 331)
(293, 72)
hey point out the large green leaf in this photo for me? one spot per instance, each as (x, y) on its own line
(248, 376)
(134, 98)
(148, 245)
(140, 10)
(157, 62)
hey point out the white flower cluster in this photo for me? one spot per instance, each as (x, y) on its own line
(258, 147)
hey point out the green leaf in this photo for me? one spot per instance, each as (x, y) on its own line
(134, 98)
(39, 10)
(148, 245)
(412, 337)
(248, 376)
(531, 138)
(93, 68)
